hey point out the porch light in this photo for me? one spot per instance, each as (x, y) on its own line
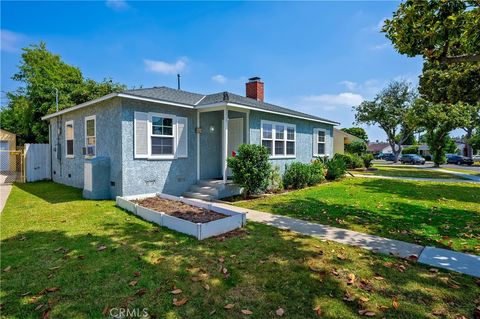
(211, 128)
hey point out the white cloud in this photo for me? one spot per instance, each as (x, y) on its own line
(332, 101)
(165, 67)
(367, 89)
(219, 79)
(380, 47)
(117, 5)
(10, 41)
(352, 86)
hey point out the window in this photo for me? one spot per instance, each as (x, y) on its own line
(279, 139)
(319, 144)
(90, 136)
(162, 135)
(69, 139)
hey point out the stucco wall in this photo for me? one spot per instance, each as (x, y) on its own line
(69, 171)
(341, 138)
(140, 176)
(304, 139)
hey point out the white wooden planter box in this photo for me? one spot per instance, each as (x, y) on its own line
(199, 230)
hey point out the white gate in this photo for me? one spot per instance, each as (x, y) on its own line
(37, 162)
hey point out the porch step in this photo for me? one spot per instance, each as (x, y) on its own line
(204, 189)
(198, 195)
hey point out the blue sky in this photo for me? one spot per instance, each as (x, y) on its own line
(316, 57)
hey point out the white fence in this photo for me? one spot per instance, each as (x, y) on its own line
(37, 162)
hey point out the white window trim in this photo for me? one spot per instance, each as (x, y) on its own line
(273, 139)
(150, 134)
(315, 149)
(94, 118)
(73, 139)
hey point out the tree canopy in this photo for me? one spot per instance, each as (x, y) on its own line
(357, 131)
(439, 30)
(40, 72)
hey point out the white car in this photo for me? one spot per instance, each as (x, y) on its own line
(476, 158)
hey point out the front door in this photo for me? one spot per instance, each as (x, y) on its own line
(235, 137)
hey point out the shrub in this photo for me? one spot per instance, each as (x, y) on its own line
(410, 150)
(317, 172)
(351, 160)
(367, 160)
(358, 148)
(335, 167)
(251, 168)
(297, 175)
(275, 183)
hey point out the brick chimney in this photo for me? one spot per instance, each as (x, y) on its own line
(254, 88)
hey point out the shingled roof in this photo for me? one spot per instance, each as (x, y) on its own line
(194, 99)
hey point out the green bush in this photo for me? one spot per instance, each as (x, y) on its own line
(367, 160)
(351, 160)
(317, 172)
(358, 148)
(251, 168)
(275, 183)
(410, 150)
(297, 175)
(335, 167)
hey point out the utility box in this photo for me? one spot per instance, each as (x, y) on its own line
(96, 180)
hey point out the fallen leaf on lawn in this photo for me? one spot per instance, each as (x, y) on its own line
(195, 279)
(229, 306)
(388, 264)
(137, 274)
(102, 247)
(341, 257)
(454, 286)
(141, 292)
(25, 293)
(433, 270)
(383, 308)
(23, 238)
(318, 311)
(335, 273)
(212, 312)
(246, 312)
(46, 314)
(224, 270)
(351, 279)
(105, 310)
(221, 259)
(206, 287)
(40, 306)
(53, 268)
(348, 297)
(7, 269)
(50, 289)
(395, 303)
(366, 313)
(363, 299)
(133, 282)
(176, 291)
(58, 249)
(81, 257)
(439, 312)
(316, 269)
(180, 302)
(280, 312)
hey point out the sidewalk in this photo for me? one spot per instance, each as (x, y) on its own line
(464, 175)
(436, 257)
(417, 179)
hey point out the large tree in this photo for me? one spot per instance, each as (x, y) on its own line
(40, 73)
(390, 110)
(439, 30)
(357, 131)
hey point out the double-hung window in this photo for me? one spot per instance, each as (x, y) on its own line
(162, 136)
(320, 137)
(90, 136)
(69, 135)
(278, 138)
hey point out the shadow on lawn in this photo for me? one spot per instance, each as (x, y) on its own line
(100, 279)
(51, 192)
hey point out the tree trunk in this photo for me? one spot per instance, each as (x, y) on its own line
(467, 142)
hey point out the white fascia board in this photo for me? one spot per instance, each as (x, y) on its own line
(134, 97)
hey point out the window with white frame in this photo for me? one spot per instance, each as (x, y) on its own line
(278, 138)
(90, 136)
(320, 142)
(69, 135)
(162, 135)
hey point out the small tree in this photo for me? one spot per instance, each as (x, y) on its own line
(358, 148)
(390, 110)
(251, 168)
(357, 131)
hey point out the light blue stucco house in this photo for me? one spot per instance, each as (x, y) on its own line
(175, 142)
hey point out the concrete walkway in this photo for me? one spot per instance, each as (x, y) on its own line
(464, 175)
(436, 257)
(5, 188)
(417, 179)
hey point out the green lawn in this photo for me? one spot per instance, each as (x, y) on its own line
(407, 171)
(445, 215)
(50, 239)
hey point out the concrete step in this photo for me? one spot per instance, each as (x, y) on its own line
(199, 196)
(209, 190)
(214, 183)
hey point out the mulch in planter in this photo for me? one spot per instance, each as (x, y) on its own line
(180, 210)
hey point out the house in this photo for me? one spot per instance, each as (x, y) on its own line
(379, 147)
(8, 146)
(341, 138)
(173, 141)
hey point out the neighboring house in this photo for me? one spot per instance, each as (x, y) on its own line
(379, 147)
(8, 144)
(341, 138)
(166, 140)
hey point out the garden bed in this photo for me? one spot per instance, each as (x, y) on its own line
(196, 218)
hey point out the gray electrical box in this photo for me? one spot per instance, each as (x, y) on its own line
(96, 180)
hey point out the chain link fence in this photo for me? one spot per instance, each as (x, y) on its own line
(12, 166)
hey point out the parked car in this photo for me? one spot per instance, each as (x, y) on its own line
(459, 160)
(476, 158)
(412, 159)
(389, 156)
